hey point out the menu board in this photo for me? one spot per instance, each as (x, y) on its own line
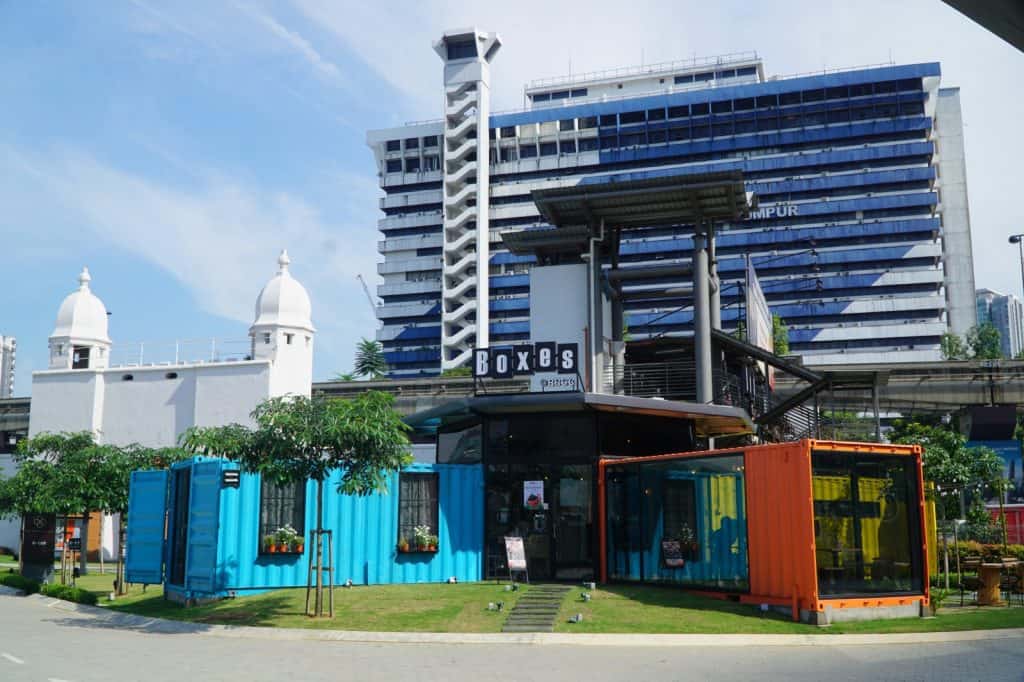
(516, 553)
(672, 554)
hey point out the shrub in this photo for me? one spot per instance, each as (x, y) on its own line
(26, 585)
(69, 593)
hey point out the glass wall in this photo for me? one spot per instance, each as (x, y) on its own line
(867, 528)
(679, 521)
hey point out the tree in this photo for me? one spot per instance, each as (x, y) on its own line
(463, 371)
(780, 335)
(953, 347)
(369, 360)
(984, 342)
(298, 439)
(344, 376)
(70, 473)
(949, 464)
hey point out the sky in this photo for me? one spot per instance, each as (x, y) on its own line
(176, 148)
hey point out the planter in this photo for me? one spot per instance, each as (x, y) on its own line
(423, 548)
(298, 549)
(272, 549)
(432, 548)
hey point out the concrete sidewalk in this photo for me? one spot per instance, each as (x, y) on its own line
(96, 616)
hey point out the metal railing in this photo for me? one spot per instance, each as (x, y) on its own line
(180, 351)
(645, 69)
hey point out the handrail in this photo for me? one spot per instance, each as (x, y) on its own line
(644, 69)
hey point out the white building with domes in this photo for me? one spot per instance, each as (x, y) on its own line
(153, 404)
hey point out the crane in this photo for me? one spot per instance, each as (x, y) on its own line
(369, 297)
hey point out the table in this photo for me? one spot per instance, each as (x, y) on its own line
(990, 574)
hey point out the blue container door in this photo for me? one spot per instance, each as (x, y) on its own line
(147, 506)
(203, 525)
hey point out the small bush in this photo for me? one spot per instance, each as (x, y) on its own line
(69, 593)
(26, 585)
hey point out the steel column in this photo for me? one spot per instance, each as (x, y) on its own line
(702, 316)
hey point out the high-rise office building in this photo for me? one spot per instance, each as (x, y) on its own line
(1005, 313)
(861, 242)
(8, 349)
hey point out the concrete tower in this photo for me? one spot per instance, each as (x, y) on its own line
(283, 332)
(79, 339)
(467, 54)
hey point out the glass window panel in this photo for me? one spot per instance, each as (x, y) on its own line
(417, 504)
(280, 506)
(866, 523)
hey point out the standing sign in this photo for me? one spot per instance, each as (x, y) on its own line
(533, 494)
(38, 542)
(515, 553)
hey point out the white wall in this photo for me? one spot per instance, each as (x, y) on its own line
(64, 400)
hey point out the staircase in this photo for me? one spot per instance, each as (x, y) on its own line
(536, 610)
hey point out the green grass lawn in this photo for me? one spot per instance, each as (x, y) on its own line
(387, 608)
(463, 608)
(655, 609)
(7, 559)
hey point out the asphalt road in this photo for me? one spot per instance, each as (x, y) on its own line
(50, 645)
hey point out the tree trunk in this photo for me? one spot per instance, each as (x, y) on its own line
(83, 555)
(319, 608)
(122, 536)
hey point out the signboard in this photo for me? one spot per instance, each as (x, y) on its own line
(39, 538)
(672, 554)
(759, 321)
(553, 366)
(75, 544)
(230, 478)
(777, 211)
(533, 494)
(515, 553)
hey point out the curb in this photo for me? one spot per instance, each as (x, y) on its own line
(166, 626)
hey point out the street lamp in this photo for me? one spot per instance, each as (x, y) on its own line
(1018, 239)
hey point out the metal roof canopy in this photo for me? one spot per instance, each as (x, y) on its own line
(709, 420)
(647, 199)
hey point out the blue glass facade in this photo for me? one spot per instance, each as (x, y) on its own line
(848, 243)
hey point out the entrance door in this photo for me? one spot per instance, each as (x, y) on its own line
(179, 525)
(549, 506)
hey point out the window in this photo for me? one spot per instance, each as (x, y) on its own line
(288, 339)
(561, 94)
(548, 148)
(631, 117)
(412, 165)
(508, 131)
(701, 77)
(79, 357)
(431, 163)
(608, 119)
(266, 337)
(588, 145)
(681, 111)
(568, 147)
(461, 49)
(412, 143)
(683, 79)
(281, 506)
(747, 71)
(394, 145)
(127, 377)
(866, 523)
(728, 73)
(417, 504)
(566, 124)
(541, 97)
(171, 375)
(700, 109)
(508, 154)
(721, 107)
(528, 151)
(430, 141)
(394, 166)
(655, 114)
(579, 92)
(587, 122)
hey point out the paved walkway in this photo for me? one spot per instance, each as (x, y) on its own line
(95, 644)
(537, 610)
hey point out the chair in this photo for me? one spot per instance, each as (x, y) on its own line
(970, 583)
(1010, 585)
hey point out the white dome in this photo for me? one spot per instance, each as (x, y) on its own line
(82, 316)
(283, 301)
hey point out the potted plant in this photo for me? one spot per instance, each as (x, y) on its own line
(422, 536)
(432, 543)
(286, 537)
(268, 543)
(298, 544)
(403, 545)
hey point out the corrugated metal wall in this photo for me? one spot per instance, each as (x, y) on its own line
(780, 523)
(365, 534)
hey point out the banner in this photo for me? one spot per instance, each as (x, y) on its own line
(759, 320)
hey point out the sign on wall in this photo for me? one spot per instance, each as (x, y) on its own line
(759, 320)
(533, 494)
(525, 360)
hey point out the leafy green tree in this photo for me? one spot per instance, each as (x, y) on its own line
(984, 342)
(302, 439)
(780, 335)
(463, 371)
(954, 468)
(953, 347)
(344, 376)
(369, 360)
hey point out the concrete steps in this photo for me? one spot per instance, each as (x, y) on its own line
(537, 610)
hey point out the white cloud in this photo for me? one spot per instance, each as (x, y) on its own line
(294, 41)
(220, 238)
